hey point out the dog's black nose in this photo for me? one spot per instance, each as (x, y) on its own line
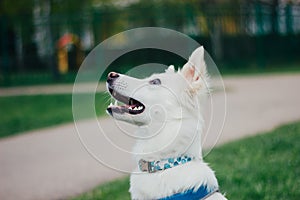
(111, 77)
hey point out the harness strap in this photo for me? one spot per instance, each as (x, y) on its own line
(201, 194)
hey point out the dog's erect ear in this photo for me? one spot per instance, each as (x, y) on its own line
(194, 71)
(195, 67)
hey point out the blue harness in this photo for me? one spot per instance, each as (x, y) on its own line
(201, 193)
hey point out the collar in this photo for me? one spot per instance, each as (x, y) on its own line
(202, 193)
(159, 165)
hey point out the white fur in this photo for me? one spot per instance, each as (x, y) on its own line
(170, 126)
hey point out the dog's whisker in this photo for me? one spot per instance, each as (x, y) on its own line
(107, 99)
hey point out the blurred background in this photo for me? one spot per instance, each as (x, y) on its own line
(44, 41)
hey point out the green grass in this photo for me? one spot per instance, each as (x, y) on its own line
(35, 78)
(115, 190)
(263, 167)
(24, 113)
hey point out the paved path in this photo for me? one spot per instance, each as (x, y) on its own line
(48, 89)
(52, 164)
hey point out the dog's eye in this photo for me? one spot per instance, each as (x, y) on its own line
(155, 82)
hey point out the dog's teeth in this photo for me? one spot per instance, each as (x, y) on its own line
(129, 108)
(135, 108)
(140, 107)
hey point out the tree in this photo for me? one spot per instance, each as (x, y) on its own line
(274, 16)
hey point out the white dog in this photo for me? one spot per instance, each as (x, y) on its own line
(166, 108)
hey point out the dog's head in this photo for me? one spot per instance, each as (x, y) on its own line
(164, 96)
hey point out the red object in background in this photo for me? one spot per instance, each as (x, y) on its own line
(65, 40)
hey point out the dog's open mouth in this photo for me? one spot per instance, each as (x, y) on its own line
(131, 105)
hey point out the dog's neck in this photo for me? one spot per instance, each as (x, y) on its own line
(169, 139)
